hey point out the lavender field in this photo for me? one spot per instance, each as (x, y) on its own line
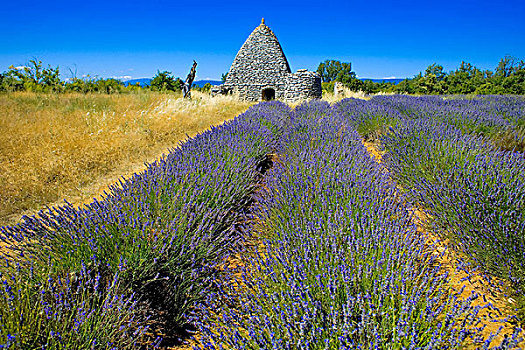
(279, 230)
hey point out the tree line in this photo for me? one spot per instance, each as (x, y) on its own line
(507, 78)
(37, 78)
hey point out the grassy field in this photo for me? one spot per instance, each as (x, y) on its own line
(71, 146)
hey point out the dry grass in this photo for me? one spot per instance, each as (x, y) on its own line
(70, 146)
(347, 93)
(332, 98)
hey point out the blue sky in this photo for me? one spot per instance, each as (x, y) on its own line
(380, 38)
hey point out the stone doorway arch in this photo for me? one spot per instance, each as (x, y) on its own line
(268, 94)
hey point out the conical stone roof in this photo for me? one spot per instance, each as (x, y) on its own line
(259, 63)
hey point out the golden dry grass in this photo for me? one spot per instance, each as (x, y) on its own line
(70, 146)
(347, 93)
(332, 98)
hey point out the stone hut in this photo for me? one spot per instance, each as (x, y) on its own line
(260, 72)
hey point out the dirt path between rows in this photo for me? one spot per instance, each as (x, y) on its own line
(497, 308)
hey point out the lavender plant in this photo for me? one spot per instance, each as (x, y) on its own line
(163, 232)
(342, 266)
(473, 193)
(370, 118)
(497, 118)
(75, 311)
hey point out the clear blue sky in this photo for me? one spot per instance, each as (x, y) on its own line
(137, 38)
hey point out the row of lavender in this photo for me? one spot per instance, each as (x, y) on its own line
(446, 155)
(339, 264)
(111, 273)
(497, 118)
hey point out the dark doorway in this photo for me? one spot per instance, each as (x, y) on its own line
(268, 94)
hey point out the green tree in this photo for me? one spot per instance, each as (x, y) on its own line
(404, 87)
(332, 70)
(436, 71)
(432, 82)
(514, 83)
(355, 85)
(33, 77)
(224, 76)
(206, 87)
(32, 72)
(51, 79)
(464, 80)
(10, 82)
(133, 87)
(327, 87)
(81, 85)
(163, 81)
(109, 86)
(509, 65)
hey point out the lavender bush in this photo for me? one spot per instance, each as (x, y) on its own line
(473, 193)
(72, 312)
(341, 266)
(500, 119)
(370, 118)
(446, 153)
(163, 232)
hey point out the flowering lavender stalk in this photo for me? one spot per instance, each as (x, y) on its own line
(342, 266)
(501, 119)
(473, 193)
(69, 312)
(163, 232)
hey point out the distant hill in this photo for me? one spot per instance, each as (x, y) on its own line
(200, 83)
(147, 81)
(142, 81)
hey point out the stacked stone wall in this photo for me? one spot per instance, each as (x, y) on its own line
(253, 92)
(302, 85)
